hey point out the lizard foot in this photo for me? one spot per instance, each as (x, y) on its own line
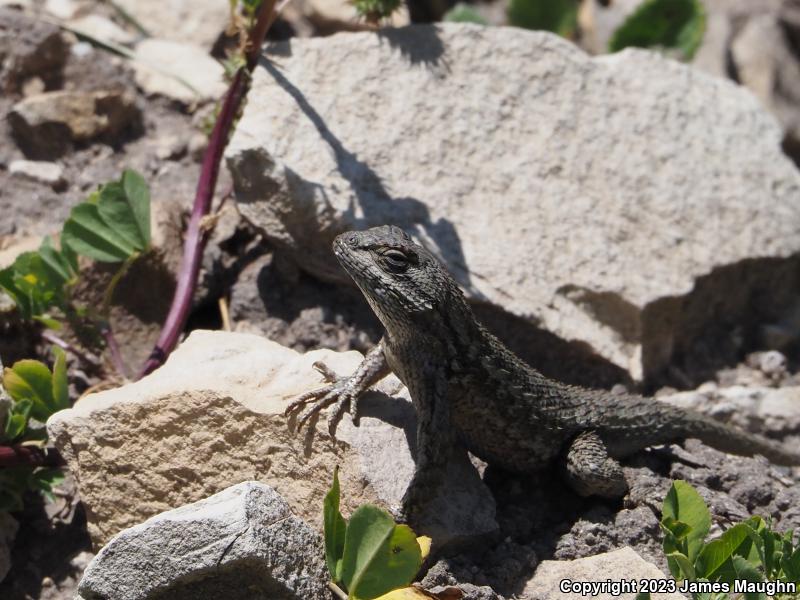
(339, 391)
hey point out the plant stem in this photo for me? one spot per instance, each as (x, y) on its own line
(17, 455)
(337, 590)
(87, 357)
(113, 349)
(195, 236)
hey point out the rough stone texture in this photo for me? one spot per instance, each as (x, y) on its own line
(186, 64)
(242, 543)
(615, 566)
(29, 47)
(213, 416)
(621, 220)
(750, 41)
(198, 23)
(45, 125)
(42, 171)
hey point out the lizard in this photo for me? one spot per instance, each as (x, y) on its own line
(471, 393)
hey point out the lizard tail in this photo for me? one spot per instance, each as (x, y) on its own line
(735, 441)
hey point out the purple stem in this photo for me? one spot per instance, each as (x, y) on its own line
(17, 454)
(195, 236)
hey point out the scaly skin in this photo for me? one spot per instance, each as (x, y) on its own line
(472, 393)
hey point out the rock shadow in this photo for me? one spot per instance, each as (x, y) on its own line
(374, 200)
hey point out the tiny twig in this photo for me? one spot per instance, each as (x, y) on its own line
(108, 294)
(224, 313)
(83, 355)
(337, 590)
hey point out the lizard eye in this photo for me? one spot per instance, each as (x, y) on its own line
(395, 261)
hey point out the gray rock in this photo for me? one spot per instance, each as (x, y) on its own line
(49, 173)
(242, 543)
(190, 75)
(619, 565)
(213, 416)
(485, 160)
(198, 23)
(29, 47)
(45, 125)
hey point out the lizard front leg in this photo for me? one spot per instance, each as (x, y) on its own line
(590, 471)
(436, 442)
(343, 391)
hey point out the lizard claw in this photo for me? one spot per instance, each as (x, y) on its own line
(335, 392)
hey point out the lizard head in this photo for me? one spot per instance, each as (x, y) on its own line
(400, 279)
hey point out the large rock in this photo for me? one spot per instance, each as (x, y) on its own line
(620, 565)
(605, 200)
(45, 125)
(212, 417)
(241, 543)
(189, 75)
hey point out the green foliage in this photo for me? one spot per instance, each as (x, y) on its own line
(15, 481)
(335, 527)
(31, 381)
(375, 10)
(37, 280)
(370, 555)
(676, 25)
(379, 555)
(685, 522)
(113, 224)
(558, 16)
(747, 551)
(36, 393)
(464, 13)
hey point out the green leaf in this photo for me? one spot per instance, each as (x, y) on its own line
(714, 561)
(464, 13)
(558, 16)
(335, 527)
(60, 383)
(56, 263)
(379, 556)
(31, 380)
(683, 563)
(791, 565)
(86, 233)
(677, 528)
(684, 504)
(113, 224)
(17, 420)
(45, 480)
(669, 24)
(743, 570)
(49, 322)
(138, 195)
(35, 281)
